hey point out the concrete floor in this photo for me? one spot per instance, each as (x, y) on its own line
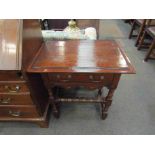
(133, 109)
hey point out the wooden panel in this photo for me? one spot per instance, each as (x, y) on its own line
(32, 40)
(102, 56)
(18, 112)
(13, 88)
(6, 99)
(11, 76)
(10, 44)
(82, 78)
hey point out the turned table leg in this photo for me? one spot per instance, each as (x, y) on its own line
(107, 103)
(52, 102)
(55, 106)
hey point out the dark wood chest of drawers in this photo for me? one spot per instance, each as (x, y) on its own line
(20, 98)
(15, 98)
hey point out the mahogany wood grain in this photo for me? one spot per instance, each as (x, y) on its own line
(21, 92)
(32, 40)
(75, 63)
(18, 112)
(13, 87)
(9, 44)
(81, 56)
(15, 99)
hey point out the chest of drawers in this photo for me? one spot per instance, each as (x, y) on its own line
(20, 98)
(15, 98)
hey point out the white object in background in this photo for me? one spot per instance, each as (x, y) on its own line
(90, 33)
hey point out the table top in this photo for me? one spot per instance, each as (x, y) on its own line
(81, 56)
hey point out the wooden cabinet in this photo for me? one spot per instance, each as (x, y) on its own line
(20, 98)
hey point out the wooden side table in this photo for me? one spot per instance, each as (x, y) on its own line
(74, 63)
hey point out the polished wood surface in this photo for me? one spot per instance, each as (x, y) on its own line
(88, 64)
(81, 56)
(9, 44)
(20, 98)
(31, 40)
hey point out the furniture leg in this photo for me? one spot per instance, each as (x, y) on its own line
(140, 33)
(107, 103)
(150, 50)
(55, 107)
(132, 29)
(141, 41)
(43, 124)
(100, 92)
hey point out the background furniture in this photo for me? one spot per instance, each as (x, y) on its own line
(63, 23)
(79, 63)
(151, 32)
(138, 25)
(20, 98)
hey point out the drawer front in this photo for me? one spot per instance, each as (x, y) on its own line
(82, 78)
(11, 76)
(6, 99)
(18, 112)
(13, 88)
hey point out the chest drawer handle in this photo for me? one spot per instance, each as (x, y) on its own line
(91, 77)
(12, 90)
(102, 77)
(69, 76)
(58, 76)
(15, 113)
(5, 101)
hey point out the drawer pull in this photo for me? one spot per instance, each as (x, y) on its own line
(58, 76)
(102, 77)
(90, 77)
(69, 76)
(5, 101)
(12, 90)
(15, 113)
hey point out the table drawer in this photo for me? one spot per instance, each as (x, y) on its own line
(13, 88)
(93, 78)
(7, 99)
(11, 76)
(18, 112)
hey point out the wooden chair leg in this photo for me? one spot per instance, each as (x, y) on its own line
(152, 46)
(139, 35)
(141, 41)
(132, 29)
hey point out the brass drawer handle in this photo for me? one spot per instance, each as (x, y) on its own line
(15, 113)
(12, 90)
(5, 101)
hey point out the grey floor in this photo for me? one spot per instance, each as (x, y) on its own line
(133, 109)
